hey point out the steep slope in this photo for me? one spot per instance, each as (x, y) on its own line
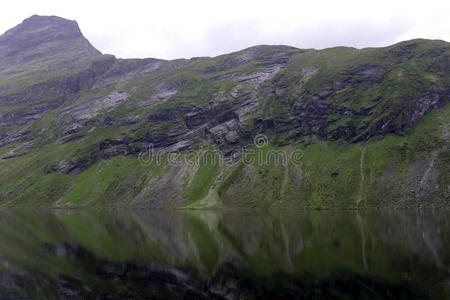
(76, 126)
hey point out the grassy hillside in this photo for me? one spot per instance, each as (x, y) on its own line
(395, 171)
(368, 127)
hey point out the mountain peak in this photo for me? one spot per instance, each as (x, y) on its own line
(40, 48)
(36, 30)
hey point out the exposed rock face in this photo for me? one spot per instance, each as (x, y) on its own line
(90, 108)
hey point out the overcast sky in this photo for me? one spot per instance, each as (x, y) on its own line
(175, 29)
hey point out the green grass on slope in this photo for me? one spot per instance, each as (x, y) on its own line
(208, 169)
(113, 182)
(331, 175)
(390, 172)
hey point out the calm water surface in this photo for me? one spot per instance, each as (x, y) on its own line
(100, 254)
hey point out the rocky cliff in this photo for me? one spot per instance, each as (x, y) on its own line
(339, 127)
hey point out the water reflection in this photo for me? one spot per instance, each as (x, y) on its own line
(228, 254)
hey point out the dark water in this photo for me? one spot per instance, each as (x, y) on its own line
(231, 254)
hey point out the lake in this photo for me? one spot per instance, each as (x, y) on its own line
(84, 254)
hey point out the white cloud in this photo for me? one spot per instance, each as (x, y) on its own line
(173, 29)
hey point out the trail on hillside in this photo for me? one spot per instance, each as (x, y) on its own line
(361, 170)
(430, 166)
(286, 172)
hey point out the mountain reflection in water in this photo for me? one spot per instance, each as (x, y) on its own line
(224, 254)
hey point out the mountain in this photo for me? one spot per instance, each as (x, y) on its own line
(339, 127)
